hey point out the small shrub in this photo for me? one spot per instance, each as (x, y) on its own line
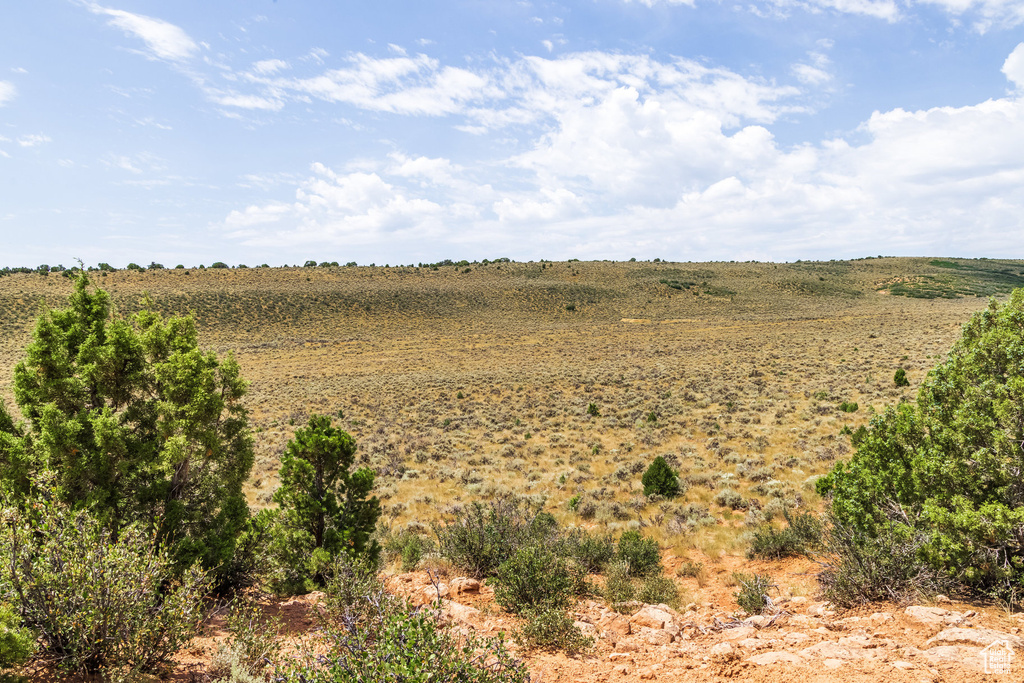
(657, 589)
(752, 596)
(552, 629)
(98, 605)
(729, 498)
(900, 378)
(618, 586)
(593, 411)
(859, 568)
(660, 479)
(640, 553)
(482, 537)
(690, 570)
(17, 643)
(592, 552)
(849, 407)
(253, 645)
(536, 578)
(801, 536)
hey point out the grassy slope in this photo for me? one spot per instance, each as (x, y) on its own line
(743, 365)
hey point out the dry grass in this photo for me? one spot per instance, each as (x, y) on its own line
(466, 385)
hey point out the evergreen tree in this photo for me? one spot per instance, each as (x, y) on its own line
(659, 478)
(324, 505)
(134, 424)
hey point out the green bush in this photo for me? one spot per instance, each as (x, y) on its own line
(551, 629)
(619, 587)
(849, 407)
(946, 470)
(801, 536)
(729, 498)
(640, 553)
(660, 479)
(888, 566)
(393, 642)
(98, 605)
(535, 577)
(325, 508)
(752, 596)
(900, 378)
(591, 551)
(657, 589)
(253, 645)
(17, 643)
(482, 537)
(593, 411)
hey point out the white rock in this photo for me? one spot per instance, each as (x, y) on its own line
(975, 636)
(721, 649)
(776, 658)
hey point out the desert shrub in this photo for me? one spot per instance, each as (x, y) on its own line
(728, 498)
(900, 378)
(353, 593)
(690, 569)
(394, 642)
(551, 629)
(660, 479)
(657, 589)
(536, 578)
(593, 410)
(801, 536)
(752, 596)
(17, 643)
(481, 537)
(97, 604)
(859, 568)
(640, 553)
(325, 508)
(619, 587)
(252, 647)
(593, 552)
(945, 471)
(849, 407)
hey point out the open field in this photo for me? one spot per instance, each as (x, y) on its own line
(471, 382)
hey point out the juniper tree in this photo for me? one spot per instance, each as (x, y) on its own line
(131, 421)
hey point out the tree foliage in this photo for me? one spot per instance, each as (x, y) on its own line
(949, 470)
(660, 479)
(325, 506)
(134, 423)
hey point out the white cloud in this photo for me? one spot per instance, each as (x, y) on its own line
(7, 92)
(269, 66)
(163, 39)
(633, 156)
(984, 13)
(33, 140)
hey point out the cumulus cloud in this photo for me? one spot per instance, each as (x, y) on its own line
(163, 39)
(33, 140)
(7, 92)
(634, 156)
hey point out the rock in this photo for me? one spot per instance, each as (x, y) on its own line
(830, 650)
(798, 600)
(819, 609)
(622, 669)
(462, 613)
(767, 658)
(651, 617)
(655, 636)
(650, 672)
(721, 649)
(795, 638)
(930, 616)
(832, 663)
(944, 654)
(757, 621)
(586, 629)
(465, 585)
(942, 600)
(879, 618)
(856, 642)
(906, 666)
(753, 644)
(613, 624)
(975, 636)
(802, 620)
(626, 646)
(620, 657)
(739, 633)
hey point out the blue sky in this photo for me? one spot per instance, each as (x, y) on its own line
(262, 131)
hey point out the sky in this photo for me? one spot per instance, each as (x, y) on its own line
(279, 131)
